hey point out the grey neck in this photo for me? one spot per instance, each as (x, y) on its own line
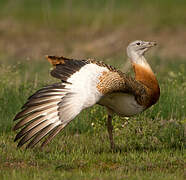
(138, 59)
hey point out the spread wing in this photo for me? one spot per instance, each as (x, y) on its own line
(49, 110)
(40, 115)
(108, 78)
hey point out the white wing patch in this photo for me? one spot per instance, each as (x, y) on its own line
(50, 109)
(84, 85)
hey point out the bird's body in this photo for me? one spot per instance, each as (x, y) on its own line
(83, 84)
(117, 101)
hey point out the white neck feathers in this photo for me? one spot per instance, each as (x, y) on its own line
(139, 59)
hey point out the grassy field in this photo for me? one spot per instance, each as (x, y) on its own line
(149, 146)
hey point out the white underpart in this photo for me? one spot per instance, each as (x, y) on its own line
(122, 104)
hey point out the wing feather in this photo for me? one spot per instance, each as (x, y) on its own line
(41, 117)
(37, 129)
(35, 108)
(50, 109)
(35, 123)
(53, 134)
(42, 134)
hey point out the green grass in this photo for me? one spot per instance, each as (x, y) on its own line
(64, 15)
(150, 146)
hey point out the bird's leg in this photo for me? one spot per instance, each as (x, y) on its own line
(110, 128)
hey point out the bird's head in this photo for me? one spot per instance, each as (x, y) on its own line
(137, 48)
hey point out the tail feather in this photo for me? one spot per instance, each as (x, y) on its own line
(55, 60)
(65, 67)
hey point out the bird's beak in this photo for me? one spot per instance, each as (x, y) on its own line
(151, 44)
(147, 45)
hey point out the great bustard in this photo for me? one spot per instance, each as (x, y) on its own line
(83, 84)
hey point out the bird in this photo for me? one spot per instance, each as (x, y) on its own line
(84, 83)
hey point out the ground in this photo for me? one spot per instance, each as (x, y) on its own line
(150, 145)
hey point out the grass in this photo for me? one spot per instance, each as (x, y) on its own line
(95, 14)
(149, 146)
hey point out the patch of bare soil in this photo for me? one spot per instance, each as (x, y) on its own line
(24, 42)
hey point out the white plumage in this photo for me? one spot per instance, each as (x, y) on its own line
(84, 85)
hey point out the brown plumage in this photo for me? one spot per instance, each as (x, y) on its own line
(83, 84)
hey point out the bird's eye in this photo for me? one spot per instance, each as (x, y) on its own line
(138, 43)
